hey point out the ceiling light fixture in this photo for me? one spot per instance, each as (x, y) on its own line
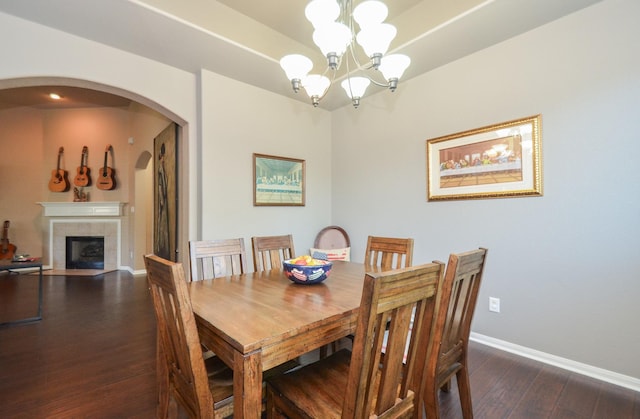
(55, 96)
(334, 22)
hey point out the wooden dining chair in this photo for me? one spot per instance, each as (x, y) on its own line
(270, 251)
(362, 383)
(217, 258)
(382, 254)
(204, 388)
(331, 243)
(387, 253)
(463, 276)
(182, 372)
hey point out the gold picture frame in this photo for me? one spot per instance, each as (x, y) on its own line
(496, 161)
(278, 181)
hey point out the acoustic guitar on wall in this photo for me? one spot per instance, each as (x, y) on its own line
(7, 250)
(59, 181)
(83, 175)
(106, 178)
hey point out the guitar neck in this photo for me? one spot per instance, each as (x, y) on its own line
(59, 158)
(83, 158)
(106, 154)
(5, 237)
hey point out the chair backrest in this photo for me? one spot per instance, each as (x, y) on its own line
(388, 253)
(270, 251)
(331, 243)
(332, 237)
(390, 298)
(178, 335)
(464, 273)
(217, 258)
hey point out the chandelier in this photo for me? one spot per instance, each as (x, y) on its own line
(334, 23)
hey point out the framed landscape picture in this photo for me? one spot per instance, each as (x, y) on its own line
(278, 181)
(502, 160)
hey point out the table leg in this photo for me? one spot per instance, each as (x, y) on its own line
(247, 385)
(38, 316)
(40, 294)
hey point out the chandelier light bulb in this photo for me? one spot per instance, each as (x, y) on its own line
(315, 85)
(355, 88)
(375, 39)
(370, 12)
(332, 37)
(296, 67)
(320, 12)
(392, 68)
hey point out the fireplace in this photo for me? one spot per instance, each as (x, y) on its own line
(84, 220)
(84, 252)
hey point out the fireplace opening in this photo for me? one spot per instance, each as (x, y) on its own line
(85, 252)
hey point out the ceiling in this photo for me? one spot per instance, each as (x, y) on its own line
(245, 39)
(70, 97)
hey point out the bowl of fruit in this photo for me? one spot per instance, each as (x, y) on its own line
(306, 270)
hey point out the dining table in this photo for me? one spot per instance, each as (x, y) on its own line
(259, 320)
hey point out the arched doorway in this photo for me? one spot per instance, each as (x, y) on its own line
(148, 113)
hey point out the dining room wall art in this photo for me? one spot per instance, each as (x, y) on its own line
(496, 161)
(278, 181)
(165, 195)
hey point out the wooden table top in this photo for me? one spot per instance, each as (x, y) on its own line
(255, 310)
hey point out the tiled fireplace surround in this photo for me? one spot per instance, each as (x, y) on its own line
(84, 219)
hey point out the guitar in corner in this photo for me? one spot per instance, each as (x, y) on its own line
(106, 178)
(59, 181)
(83, 177)
(7, 250)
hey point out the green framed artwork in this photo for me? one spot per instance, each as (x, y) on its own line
(278, 181)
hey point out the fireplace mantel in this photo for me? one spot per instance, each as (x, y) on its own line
(83, 209)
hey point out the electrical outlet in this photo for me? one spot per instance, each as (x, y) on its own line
(494, 304)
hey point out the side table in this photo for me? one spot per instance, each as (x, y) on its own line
(8, 265)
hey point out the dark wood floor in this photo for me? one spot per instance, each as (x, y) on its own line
(93, 357)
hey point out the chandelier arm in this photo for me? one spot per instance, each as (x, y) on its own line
(331, 80)
(377, 83)
(361, 67)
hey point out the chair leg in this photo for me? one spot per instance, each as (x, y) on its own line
(323, 352)
(172, 411)
(446, 387)
(465, 392)
(271, 410)
(162, 373)
(430, 401)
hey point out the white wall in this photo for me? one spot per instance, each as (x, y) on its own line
(565, 265)
(239, 120)
(21, 148)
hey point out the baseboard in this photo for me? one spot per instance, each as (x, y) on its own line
(567, 364)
